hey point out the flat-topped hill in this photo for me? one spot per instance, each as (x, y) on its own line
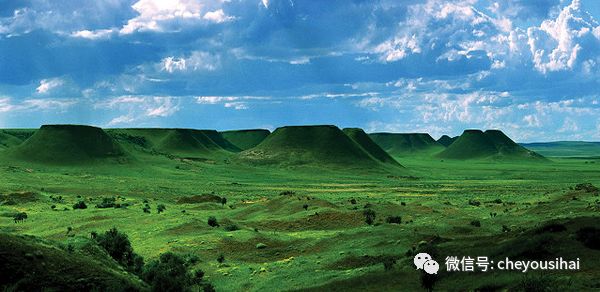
(399, 144)
(245, 139)
(67, 144)
(315, 145)
(493, 144)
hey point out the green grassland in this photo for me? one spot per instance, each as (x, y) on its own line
(300, 217)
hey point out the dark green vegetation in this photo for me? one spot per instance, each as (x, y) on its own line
(407, 144)
(446, 140)
(361, 138)
(491, 144)
(68, 144)
(332, 216)
(565, 149)
(245, 139)
(312, 145)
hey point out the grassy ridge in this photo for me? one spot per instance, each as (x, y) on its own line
(316, 145)
(361, 138)
(397, 144)
(491, 144)
(565, 148)
(7, 140)
(446, 140)
(32, 264)
(246, 139)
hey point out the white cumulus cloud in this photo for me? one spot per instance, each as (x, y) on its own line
(46, 85)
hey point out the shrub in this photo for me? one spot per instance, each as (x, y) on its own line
(223, 201)
(353, 201)
(53, 207)
(160, 208)
(80, 205)
(212, 221)
(587, 187)
(369, 216)
(146, 208)
(305, 206)
(287, 193)
(118, 246)
(393, 219)
(106, 203)
(474, 203)
(221, 258)
(231, 227)
(20, 217)
(168, 273)
(476, 223)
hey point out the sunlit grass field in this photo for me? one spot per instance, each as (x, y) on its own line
(304, 228)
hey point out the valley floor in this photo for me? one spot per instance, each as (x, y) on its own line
(304, 228)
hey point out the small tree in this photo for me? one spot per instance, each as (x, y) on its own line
(212, 221)
(305, 206)
(146, 208)
(369, 216)
(80, 205)
(160, 208)
(221, 259)
(223, 201)
(118, 246)
(168, 273)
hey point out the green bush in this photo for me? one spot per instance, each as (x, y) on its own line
(476, 223)
(106, 203)
(20, 217)
(168, 273)
(118, 246)
(393, 219)
(212, 221)
(80, 205)
(231, 227)
(369, 216)
(160, 208)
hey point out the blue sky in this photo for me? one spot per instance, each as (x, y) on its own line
(530, 68)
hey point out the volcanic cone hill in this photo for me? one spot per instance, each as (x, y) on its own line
(361, 138)
(7, 140)
(245, 139)
(68, 144)
(315, 145)
(446, 140)
(186, 142)
(397, 144)
(491, 144)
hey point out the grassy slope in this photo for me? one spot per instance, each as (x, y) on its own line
(361, 138)
(245, 139)
(32, 264)
(7, 140)
(219, 140)
(67, 144)
(309, 145)
(491, 144)
(446, 140)
(397, 144)
(328, 245)
(565, 148)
